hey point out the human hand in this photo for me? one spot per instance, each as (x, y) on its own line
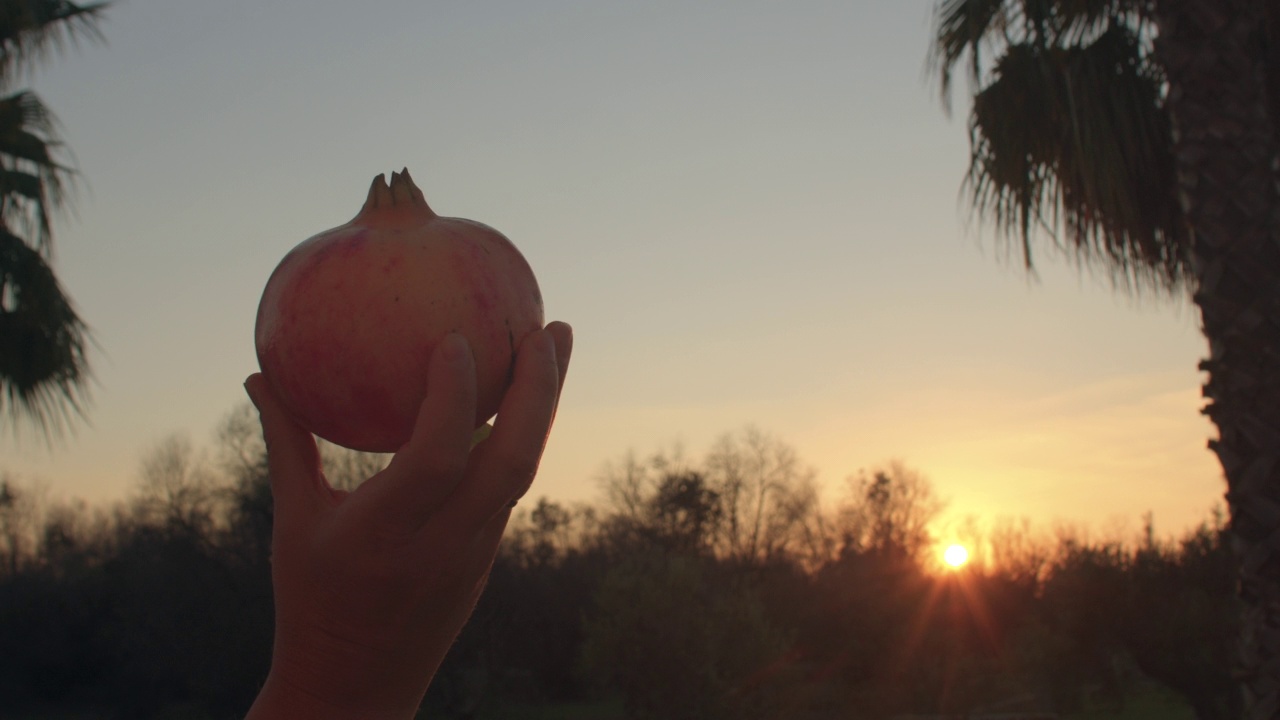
(373, 586)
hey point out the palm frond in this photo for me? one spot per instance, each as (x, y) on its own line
(1074, 144)
(32, 30)
(44, 371)
(1080, 22)
(33, 182)
(962, 28)
(970, 30)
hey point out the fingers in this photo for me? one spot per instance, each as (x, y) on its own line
(428, 468)
(293, 460)
(503, 466)
(483, 550)
(563, 336)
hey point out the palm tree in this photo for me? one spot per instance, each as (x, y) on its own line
(44, 370)
(1142, 138)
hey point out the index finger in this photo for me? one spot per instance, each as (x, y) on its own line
(428, 468)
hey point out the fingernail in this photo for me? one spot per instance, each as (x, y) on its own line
(454, 347)
(538, 340)
(546, 343)
(481, 434)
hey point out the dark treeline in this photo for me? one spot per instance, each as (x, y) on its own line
(715, 588)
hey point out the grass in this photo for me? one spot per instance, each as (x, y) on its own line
(570, 711)
(1152, 704)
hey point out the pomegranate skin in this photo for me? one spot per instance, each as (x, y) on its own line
(349, 318)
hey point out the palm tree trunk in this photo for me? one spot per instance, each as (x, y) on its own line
(1272, 21)
(1216, 56)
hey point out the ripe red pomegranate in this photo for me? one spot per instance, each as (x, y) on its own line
(349, 318)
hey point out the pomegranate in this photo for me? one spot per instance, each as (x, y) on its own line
(348, 320)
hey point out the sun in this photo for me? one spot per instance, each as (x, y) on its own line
(955, 556)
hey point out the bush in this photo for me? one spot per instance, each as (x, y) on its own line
(679, 644)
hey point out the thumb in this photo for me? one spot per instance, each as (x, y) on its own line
(293, 460)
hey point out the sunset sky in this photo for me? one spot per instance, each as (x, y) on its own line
(749, 211)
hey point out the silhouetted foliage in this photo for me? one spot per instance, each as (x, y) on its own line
(681, 642)
(888, 514)
(717, 587)
(44, 367)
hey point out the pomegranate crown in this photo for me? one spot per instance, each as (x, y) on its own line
(400, 196)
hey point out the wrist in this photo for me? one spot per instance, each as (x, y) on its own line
(314, 675)
(281, 698)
